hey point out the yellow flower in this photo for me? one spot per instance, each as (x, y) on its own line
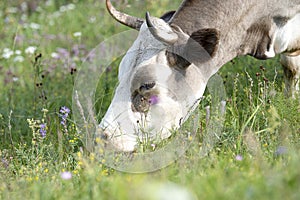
(98, 140)
(101, 151)
(80, 163)
(29, 179)
(92, 157)
(104, 172)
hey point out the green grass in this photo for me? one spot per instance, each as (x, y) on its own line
(261, 125)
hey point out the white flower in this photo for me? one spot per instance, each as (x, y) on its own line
(54, 55)
(71, 6)
(44, 110)
(66, 175)
(55, 14)
(12, 10)
(77, 34)
(49, 3)
(18, 52)
(34, 26)
(67, 7)
(7, 53)
(19, 59)
(30, 50)
(92, 19)
(24, 6)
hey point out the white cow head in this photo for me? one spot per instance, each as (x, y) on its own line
(164, 74)
(158, 83)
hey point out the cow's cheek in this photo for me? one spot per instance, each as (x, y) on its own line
(165, 116)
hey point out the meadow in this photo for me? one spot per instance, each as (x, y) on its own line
(42, 47)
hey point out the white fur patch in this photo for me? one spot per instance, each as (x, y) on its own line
(287, 36)
(271, 52)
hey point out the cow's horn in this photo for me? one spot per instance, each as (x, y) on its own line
(162, 31)
(132, 22)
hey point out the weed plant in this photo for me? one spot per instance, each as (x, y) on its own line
(42, 46)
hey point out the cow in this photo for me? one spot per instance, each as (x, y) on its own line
(163, 75)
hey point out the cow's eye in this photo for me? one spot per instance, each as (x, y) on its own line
(177, 61)
(147, 86)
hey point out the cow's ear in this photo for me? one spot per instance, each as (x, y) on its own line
(200, 47)
(167, 16)
(207, 38)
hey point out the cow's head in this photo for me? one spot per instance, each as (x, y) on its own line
(159, 82)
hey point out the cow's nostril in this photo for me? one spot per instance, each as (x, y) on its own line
(104, 136)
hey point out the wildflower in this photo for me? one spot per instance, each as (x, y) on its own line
(54, 55)
(43, 130)
(104, 172)
(281, 150)
(12, 10)
(44, 110)
(7, 53)
(92, 19)
(5, 163)
(34, 26)
(77, 34)
(30, 50)
(18, 52)
(29, 179)
(61, 53)
(153, 100)
(19, 59)
(67, 7)
(239, 157)
(97, 140)
(66, 175)
(64, 111)
(15, 79)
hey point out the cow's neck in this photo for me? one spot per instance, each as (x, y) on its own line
(232, 19)
(193, 15)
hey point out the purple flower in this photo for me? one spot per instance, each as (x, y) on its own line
(43, 130)
(66, 175)
(63, 53)
(64, 113)
(5, 163)
(281, 150)
(64, 110)
(153, 100)
(239, 157)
